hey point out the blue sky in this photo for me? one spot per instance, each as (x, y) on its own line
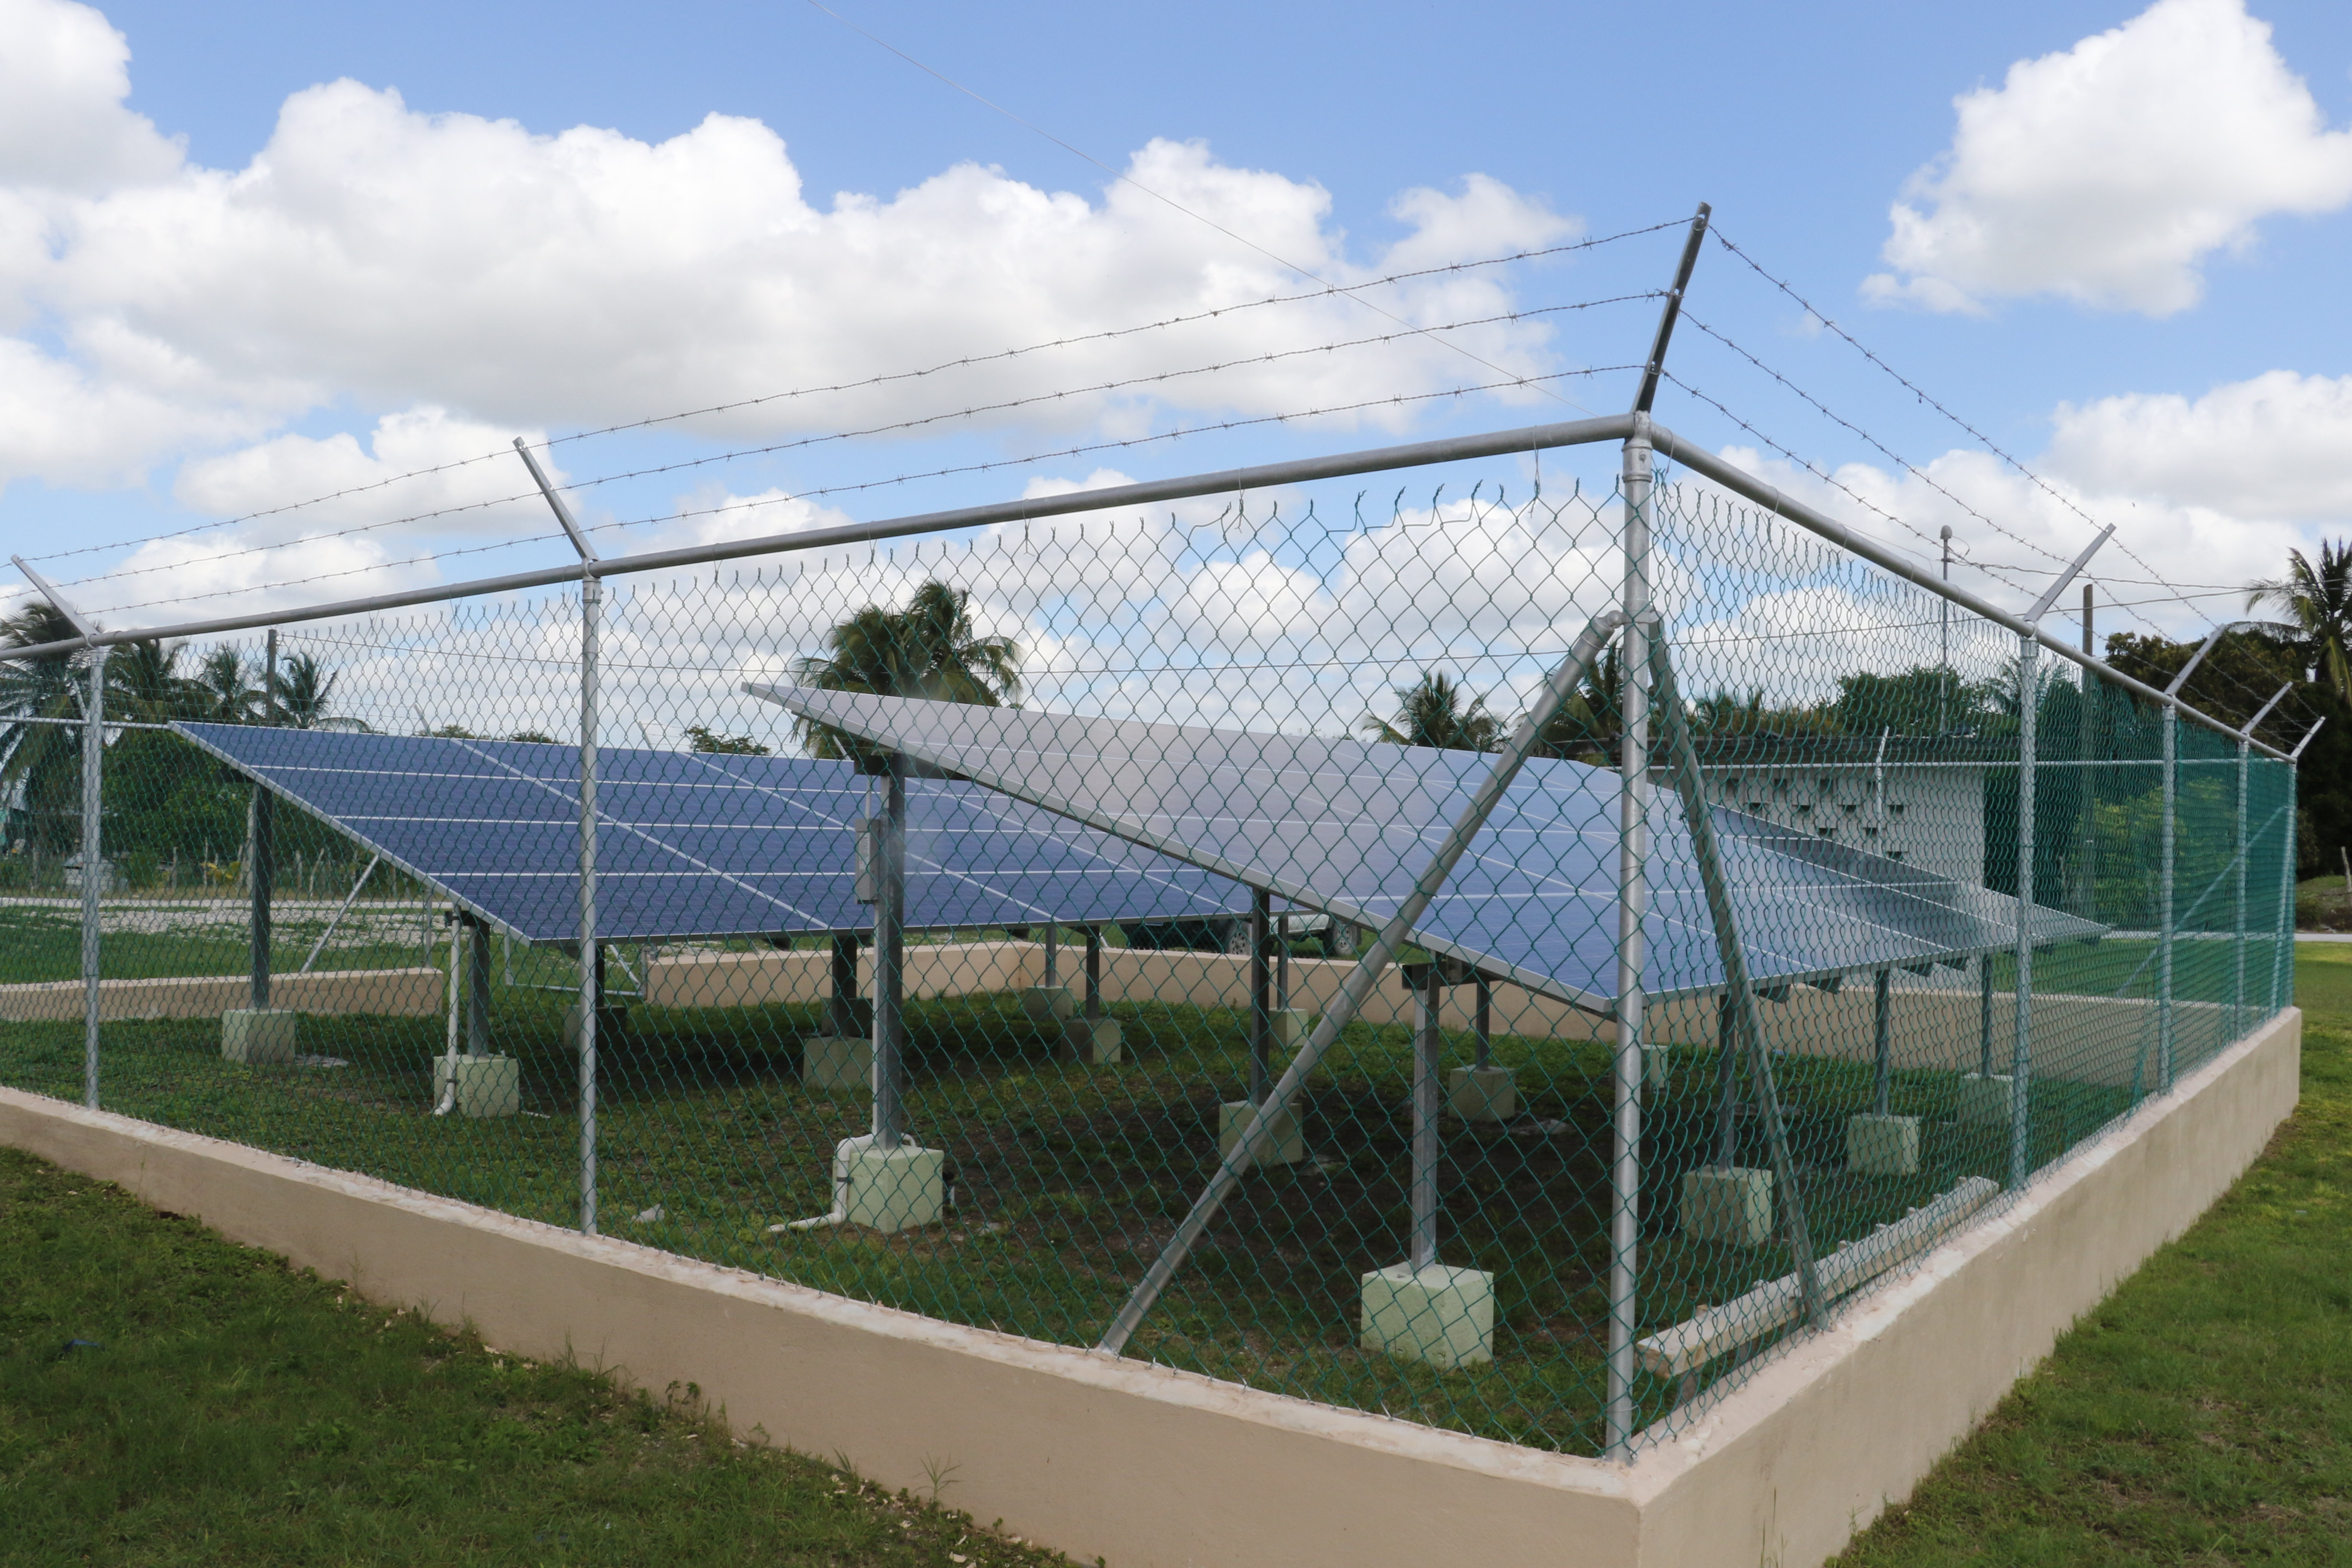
(2129, 235)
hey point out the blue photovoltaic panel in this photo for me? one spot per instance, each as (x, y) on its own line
(1346, 827)
(700, 844)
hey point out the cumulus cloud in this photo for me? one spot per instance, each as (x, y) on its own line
(375, 256)
(2107, 173)
(2272, 447)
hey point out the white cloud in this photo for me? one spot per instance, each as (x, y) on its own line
(417, 462)
(2272, 447)
(2107, 173)
(375, 256)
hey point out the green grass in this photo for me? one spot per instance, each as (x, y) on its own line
(2202, 1414)
(44, 945)
(169, 1398)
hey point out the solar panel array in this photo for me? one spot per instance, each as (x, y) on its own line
(1346, 827)
(700, 845)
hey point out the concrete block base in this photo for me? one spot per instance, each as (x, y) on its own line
(1883, 1145)
(1093, 1041)
(1444, 1317)
(259, 1037)
(831, 1061)
(1984, 1101)
(1288, 1147)
(1482, 1094)
(1290, 1027)
(487, 1086)
(1657, 1067)
(1731, 1203)
(891, 1189)
(1047, 1003)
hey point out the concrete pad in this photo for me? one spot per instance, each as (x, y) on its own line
(487, 1086)
(1288, 1147)
(1290, 1027)
(1984, 1101)
(260, 1037)
(1657, 1067)
(835, 1061)
(1731, 1203)
(1093, 1041)
(1883, 1145)
(1444, 1317)
(1047, 1003)
(1482, 1094)
(892, 1189)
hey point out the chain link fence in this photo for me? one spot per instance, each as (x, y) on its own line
(1498, 1205)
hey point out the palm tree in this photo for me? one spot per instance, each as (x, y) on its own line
(223, 690)
(1436, 711)
(930, 650)
(306, 690)
(2318, 604)
(40, 763)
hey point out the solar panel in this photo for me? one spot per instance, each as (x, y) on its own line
(1346, 826)
(700, 845)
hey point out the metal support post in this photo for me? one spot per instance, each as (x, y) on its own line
(261, 846)
(1362, 981)
(2282, 950)
(1093, 971)
(1984, 1018)
(2086, 850)
(1882, 1088)
(1428, 1048)
(889, 959)
(1053, 953)
(1261, 1023)
(93, 864)
(1483, 1024)
(592, 955)
(2164, 919)
(2238, 946)
(842, 1005)
(1282, 963)
(2020, 1043)
(1632, 907)
(477, 986)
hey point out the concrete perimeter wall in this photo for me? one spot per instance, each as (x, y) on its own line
(400, 993)
(1152, 1468)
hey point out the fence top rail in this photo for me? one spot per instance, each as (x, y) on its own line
(1377, 459)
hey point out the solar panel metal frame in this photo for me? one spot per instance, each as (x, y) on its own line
(1990, 915)
(217, 740)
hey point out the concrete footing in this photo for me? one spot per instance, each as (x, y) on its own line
(1443, 1317)
(1984, 1101)
(1482, 1094)
(891, 1189)
(1883, 1145)
(1092, 1041)
(1731, 1204)
(258, 1037)
(1288, 1146)
(1047, 1003)
(1290, 1025)
(487, 1086)
(834, 1061)
(1657, 1067)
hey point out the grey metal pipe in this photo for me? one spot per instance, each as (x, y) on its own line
(343, 908)
(1428, 1048)
(1093, 971)
(1483, 1023)
(1633, 908)
(889, 959)
(842, 1005)
(1699, 460)
(93, 865)
(1261, 1024)
(1360, 982)
(1726, 1084)
(1882, 1057)
(261, 846)
(592, 999)
(477, 986)
(2164, 921)
(1984, 1020)
(2238, 947)
(2021, 1044)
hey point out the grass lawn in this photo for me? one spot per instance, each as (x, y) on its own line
(167, 1397)
(2203, 1415)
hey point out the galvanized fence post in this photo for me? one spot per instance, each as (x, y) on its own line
(592, 604)
(93, 763)
(2021, 1044)
(1634, 899)
(2164, 924)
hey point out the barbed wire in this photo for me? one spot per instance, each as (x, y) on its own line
(920, 422)
(1974, 434)
(1393, 400)
(888, 378)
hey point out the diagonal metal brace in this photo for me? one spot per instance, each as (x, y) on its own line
(1736, 988)
(1362, 981)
